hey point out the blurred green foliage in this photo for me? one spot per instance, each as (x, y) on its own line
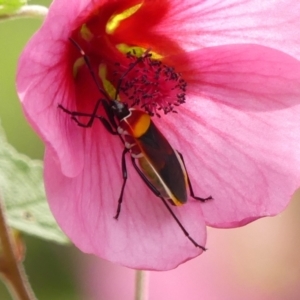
(10, 6)
(49, 266)
(14, 35)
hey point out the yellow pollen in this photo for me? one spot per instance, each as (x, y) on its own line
(79, 62)
(86, 33)
(108, 86)
(137, 51)
(115, 20)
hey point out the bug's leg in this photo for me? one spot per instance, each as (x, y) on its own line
(89, 65)
(124, 175)
(107, 125)
(190, 185)
(158, 194)
(75, 114)
(180, 225)
(92, 116)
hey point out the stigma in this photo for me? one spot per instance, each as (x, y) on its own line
(151, 85)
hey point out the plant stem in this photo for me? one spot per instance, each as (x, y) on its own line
(27, 11)
(11, 270)
(141, 285)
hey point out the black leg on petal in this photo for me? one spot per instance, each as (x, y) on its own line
(158, 194)
(75, 114)
(124, 175)
(190, 185)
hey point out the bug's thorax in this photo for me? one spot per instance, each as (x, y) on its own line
(135, 124)
(131, 127)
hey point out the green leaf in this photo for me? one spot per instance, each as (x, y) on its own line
(10, 6)
(22, 189)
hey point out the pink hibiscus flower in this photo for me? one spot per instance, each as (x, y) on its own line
(238, 131)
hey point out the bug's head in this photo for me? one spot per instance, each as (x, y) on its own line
(120, 109)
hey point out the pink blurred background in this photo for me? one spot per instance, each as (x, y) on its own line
(259, 261)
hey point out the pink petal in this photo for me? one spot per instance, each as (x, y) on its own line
(82, 193)
(239, 131)
(144, 237)
(44, 80)
(195, 24)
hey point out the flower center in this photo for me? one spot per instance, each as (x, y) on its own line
(151, 85)
(107, 35)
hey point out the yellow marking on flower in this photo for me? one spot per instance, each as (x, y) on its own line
(137, 51)
(115, 20)
(108, 86)
(79, 62)
(86, 33)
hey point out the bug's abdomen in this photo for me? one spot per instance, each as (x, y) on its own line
(153, 177)
(158, 161)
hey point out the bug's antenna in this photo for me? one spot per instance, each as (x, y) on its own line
(88, 63)
(145, 54)
(95, 78)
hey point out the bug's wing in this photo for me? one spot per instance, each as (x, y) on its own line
(164, 159)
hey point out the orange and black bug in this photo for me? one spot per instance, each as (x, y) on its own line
(160, 166)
